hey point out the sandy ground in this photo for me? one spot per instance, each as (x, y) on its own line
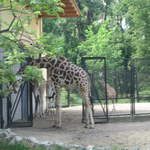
(122, 133)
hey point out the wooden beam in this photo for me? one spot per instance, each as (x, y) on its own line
(60, 15)
(70, 10)
(75, 7)
(66, 1)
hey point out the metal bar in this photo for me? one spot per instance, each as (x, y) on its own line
(136, 83)
(17, 97)
(119, 115)
(13, 113)
(8, 111)
(15, 100)
(142, 58)
(68, 97)
(141, 114)
(83, 107)
(27, 101)
(31, 102)
(133, 78)
(117, 97)
(144, 98)
(105, 78)
(1, 112)
(21, 124)
(92, 58)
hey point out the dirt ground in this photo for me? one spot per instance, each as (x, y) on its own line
(122, 133)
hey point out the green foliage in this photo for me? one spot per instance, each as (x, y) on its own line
(122, 31)
(51, 44)
(32, 73)
(18, 146)
(72, 30)
(35, 6)
(14, 57)
(101, 43)
(106, 28)
(16, 31)
(74, 98)
(7, 77)
(137, 17)
(140, 26)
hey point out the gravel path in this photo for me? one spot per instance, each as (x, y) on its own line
(123, 133)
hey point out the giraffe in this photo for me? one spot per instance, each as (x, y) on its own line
(64, 74)
(111, 92)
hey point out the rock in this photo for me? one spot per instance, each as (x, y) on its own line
(8, 130)
(102, 148)
(12, 138)
(90, 147)
(47, 143)
(32, 139)
(57, 147)
(18, 138)
(3, 135)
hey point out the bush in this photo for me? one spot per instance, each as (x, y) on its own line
(5, 146)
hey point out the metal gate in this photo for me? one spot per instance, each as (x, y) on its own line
(19, 107)
(1, 111)
(90, 64)
(124, 81)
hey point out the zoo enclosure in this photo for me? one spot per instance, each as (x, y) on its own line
(129, 78)
(119, 80)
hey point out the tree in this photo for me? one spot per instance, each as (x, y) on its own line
(14, 32)
(101, 43)
(139, 21)
(72, 30)
(136, 25)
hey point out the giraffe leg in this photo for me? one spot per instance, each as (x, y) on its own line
(113, 101)
(88, 111)
(58, 110)
(89, 117)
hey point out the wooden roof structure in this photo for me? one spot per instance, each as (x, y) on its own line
(70, 10)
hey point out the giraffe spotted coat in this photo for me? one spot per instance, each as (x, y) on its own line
(65, 74)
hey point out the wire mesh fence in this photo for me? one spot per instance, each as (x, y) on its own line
(119, 86)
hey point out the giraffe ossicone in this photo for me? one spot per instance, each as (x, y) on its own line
(64, 74)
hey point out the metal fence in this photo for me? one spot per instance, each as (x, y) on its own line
(1, 111)
(122, 81)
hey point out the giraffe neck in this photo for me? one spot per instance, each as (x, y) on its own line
(47, 62)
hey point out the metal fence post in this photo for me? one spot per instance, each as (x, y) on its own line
(1, 112)
(31, 102)
(105, 78)
(132, 88)
(83, 108)
(8, 111)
